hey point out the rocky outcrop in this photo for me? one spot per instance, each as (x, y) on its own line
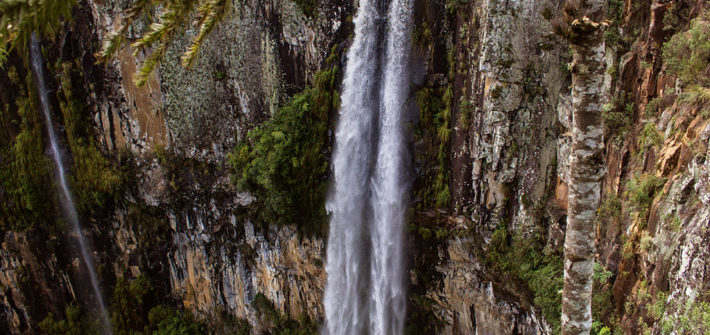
(470, 303)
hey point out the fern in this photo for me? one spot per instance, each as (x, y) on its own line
(20, 18)
(172, 19)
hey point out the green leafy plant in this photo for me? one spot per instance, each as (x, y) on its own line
(20, 18)
(280, 323)
(284, 162)
(687, 54)
(618, 117)
(650, 136)
(24, 169)
(641, 190)
(174, 16)
(526, 259)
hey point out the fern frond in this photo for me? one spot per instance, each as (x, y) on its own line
(211, 12)
(115, 39)
(149, 65)
(20, 18)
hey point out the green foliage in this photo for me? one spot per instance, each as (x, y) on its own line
(95, 180)
(134, 311)
(618, 117)
(641, 190)
(650, 136)
(421, 34)
(20, 18)
(165, 320)
(652, 107)
(278, 322)
(423, 313)
(466, 109)
(690, 316)
(435, 106)
(610, 209)
(74, 324)
(603, 310)
(525, 258)
(284, 162)
(24, 169)
(615, 16)
(696, 96)
(174, 16)
(226, 323)
(453, 7)
(687, 54)
(128, 310)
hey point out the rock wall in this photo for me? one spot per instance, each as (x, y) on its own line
(184, 223)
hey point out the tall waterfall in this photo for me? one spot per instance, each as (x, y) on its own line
(65, 197)
(365, 291)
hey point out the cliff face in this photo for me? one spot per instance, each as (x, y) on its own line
(486, 261)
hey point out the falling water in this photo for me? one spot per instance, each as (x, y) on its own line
(365, 292)
(389, 182)
(65, 195)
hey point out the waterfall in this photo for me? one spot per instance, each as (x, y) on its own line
(365, 290)
(65, 194)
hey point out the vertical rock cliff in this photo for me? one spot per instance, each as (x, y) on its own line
(151, 169)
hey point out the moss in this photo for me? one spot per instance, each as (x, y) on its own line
(24, 169)
(95, 180)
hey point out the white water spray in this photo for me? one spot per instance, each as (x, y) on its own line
(365, 292)
(65, 197)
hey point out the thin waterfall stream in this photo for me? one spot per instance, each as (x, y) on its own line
(37, 64)
(366, 289)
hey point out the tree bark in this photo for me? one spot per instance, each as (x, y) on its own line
(586, 166)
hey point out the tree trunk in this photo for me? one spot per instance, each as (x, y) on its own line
(586, 166)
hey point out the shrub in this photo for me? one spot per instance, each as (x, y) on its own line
(610, 209)
(525, 258)
(687, 54)
(280, 323)
(652, 107)
(641, 190)
(284, 162)
(696, 96)
(618, 117)
(650, 136)
(74, 324)
(691, 316)
(165, 320)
